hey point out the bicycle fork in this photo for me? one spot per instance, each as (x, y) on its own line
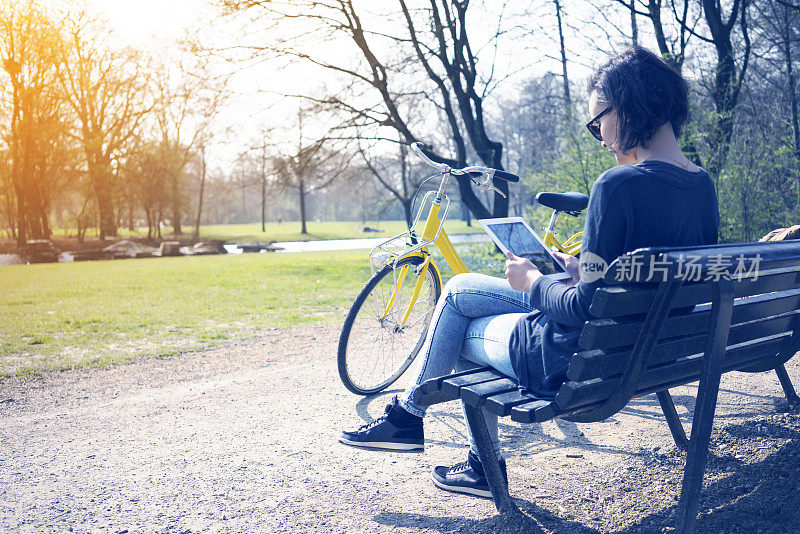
(432, 233)
(414, 294)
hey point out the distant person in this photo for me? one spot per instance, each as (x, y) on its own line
(527, 326)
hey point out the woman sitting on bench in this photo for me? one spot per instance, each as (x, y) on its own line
(527, 326)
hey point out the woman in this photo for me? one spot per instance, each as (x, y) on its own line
(527, 326)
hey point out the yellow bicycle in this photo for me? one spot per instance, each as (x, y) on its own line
(387, 323)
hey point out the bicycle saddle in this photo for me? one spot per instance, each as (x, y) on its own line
(572, 203)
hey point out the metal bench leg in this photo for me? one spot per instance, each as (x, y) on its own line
(704, 407)
(697, 454)
(788, 388)
(491, 465)
(674, 422)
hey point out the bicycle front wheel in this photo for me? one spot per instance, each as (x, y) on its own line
(376, 345)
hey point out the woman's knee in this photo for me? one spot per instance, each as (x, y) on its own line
(462, 282)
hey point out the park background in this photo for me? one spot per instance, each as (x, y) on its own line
(279, 121)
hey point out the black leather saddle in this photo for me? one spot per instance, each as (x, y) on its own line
(572, 203)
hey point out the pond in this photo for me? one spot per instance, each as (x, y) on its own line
(287, 246)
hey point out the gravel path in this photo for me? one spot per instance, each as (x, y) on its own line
(242, 438)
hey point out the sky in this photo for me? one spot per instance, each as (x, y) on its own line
(155, 25)
(148, 23)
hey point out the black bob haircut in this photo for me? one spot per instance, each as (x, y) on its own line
(645, 93)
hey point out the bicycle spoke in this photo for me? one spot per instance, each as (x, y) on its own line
(378, 349)
(423, 316)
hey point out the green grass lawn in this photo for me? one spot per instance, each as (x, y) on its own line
(290, 230)
(57, 316)
(66, 315)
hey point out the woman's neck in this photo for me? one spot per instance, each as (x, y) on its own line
(664, 147)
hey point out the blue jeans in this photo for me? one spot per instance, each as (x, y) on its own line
(472, 323)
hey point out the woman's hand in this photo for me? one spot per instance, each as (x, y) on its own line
(521, 273)
(572, 265)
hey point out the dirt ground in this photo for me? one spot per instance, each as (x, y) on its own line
(242, 438)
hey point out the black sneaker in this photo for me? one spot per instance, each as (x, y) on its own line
(466, 477)
(395, 430)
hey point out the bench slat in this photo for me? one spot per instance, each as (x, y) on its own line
(535, 412)
(628, 299)
(430, 392)
(452, 385)
(503, 403)
(608, 333)
(475, 395)
(573, 395)
(600, 363)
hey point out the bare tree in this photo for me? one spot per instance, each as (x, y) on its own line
(784, 22)
(266, 179)
(435, 38)
(728, 73)
(29, 49)
(563, 49)
(685, 14)
(771, 102)
(146, 170)
(395, 175)
(187, 97)
(7, 207)
(311, 165)
(106, 90)
(196, 235)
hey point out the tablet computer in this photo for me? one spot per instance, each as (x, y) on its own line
(515, 235)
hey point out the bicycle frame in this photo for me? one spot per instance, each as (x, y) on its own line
(433, 233)
(571, 246)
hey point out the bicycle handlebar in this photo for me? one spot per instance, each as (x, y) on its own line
(492, 173)
(507, 176)
(417, 148)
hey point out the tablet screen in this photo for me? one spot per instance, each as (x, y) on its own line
(517, 238)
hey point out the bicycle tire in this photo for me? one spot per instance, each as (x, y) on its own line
(380, 342)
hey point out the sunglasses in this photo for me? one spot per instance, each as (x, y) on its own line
(594, 124)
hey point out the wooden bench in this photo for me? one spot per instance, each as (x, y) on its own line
(682, 315)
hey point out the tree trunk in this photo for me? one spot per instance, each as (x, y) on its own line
(16, 170)
(176, 204)
(45, 225)
(202, 190)
(567, 99)
(99, 175)
(131, 223)
(302, 191)
(36, 204)
(264, 187)
(105, 208)
(727, 80)
(407, 211)
(745, 214)
(263, 204)
(22, 237)
(471, 200)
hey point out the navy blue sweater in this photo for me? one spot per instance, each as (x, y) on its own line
(630, 206)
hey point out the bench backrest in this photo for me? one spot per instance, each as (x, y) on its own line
(659, 311)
